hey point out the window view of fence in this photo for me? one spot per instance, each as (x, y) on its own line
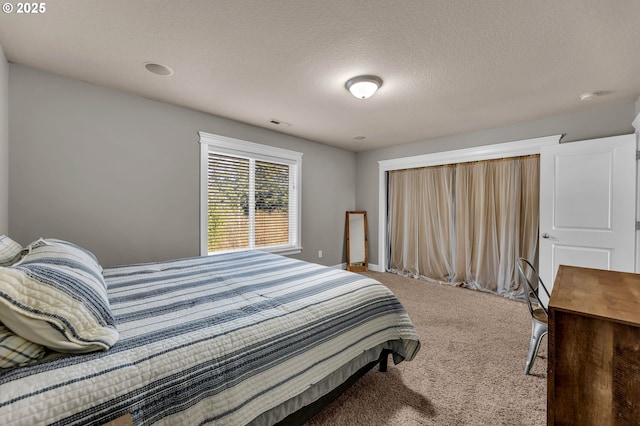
(248, 203)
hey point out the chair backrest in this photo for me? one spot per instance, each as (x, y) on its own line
(532, 284)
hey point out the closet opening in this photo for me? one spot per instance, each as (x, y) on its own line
(462, 217)
(465, 224)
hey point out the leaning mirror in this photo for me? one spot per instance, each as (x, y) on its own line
(357, 250)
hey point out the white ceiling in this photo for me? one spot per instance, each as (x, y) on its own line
(449, 66)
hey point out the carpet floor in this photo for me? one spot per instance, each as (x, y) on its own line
(469, 371)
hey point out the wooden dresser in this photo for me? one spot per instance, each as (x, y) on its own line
(594, 348)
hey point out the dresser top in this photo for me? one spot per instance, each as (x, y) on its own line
(595, 292)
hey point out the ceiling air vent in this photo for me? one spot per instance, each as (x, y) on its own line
(279, 123)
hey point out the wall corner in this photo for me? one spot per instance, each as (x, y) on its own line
(636, 121)
(4, 143)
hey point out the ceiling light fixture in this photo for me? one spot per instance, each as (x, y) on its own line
(363, 86)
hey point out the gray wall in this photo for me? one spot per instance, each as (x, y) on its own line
(596, 123)
(119, 174)
(4, 144)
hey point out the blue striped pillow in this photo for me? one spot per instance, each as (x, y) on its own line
(56, 296)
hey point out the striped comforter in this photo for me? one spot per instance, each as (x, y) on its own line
(218, 340)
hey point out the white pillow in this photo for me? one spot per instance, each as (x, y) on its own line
(9, 251)
(56, 296)
(16, 351)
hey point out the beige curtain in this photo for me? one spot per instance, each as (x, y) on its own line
(421, 233)
(465, 224)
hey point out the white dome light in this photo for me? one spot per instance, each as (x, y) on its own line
(363, 86)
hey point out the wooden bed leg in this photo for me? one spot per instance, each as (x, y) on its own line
(384, 357)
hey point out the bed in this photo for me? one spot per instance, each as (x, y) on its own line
(238, 338)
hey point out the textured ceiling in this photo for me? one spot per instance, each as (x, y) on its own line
(448, 66)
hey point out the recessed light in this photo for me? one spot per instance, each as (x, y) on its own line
(158, 69)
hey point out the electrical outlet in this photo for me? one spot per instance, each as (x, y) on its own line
(319, 253)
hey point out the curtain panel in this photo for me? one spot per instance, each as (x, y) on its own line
(465, 224)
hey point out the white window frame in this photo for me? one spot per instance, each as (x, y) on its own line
(240, 148)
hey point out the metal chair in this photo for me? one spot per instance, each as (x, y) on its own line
(539, 313)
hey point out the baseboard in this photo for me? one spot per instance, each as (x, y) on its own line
(375, 267)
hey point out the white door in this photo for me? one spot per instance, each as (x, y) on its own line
(587, 205)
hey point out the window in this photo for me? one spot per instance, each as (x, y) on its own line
(250, 196)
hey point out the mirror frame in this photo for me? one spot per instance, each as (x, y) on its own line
(361, 266)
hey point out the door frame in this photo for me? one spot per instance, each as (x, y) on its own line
(636, 126)
(486, 152)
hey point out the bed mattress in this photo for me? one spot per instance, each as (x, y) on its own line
(215, 340)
